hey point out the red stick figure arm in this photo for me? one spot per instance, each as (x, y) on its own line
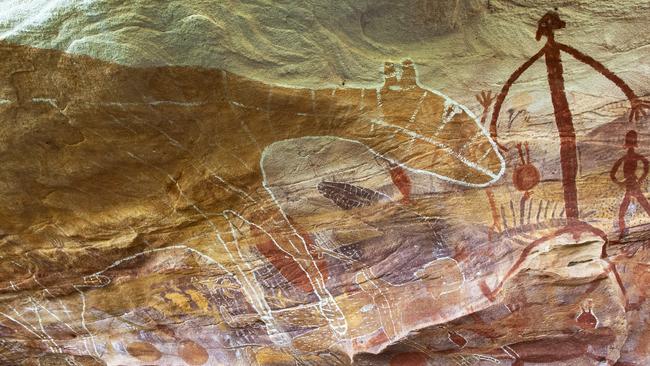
(600, 68)
(612, 173)
(504, 92)
(646, 166)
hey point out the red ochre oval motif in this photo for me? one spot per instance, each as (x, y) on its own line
(144, 351)
(525, 177)
(193, 353)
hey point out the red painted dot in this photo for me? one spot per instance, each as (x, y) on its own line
(525, 177)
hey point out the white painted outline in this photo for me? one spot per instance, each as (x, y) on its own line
(340, 326)
(447, 102)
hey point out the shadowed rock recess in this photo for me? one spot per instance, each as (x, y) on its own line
(160, 211)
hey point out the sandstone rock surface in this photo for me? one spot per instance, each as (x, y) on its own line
(199, 211)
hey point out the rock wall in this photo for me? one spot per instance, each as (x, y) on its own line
(323, 184)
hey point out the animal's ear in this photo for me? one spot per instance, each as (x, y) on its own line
(390, 74)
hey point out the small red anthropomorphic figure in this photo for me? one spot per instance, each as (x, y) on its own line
(630, 181)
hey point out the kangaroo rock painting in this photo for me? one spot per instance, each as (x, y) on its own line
(338, 183)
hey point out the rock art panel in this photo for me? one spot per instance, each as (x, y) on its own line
(169, 213)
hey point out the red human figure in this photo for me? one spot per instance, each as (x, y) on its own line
(546, 27)
(630, 181)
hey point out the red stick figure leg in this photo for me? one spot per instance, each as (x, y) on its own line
(611, 268)
(569, 164)
(621, 215)
(522, 207)
(490, 294)
(496, 226)
(642, 201)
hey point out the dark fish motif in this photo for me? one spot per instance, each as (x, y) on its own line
(348, 196)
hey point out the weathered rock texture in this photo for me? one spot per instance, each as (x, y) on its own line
(172, 215)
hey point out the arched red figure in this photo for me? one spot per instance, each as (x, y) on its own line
(631, 183)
